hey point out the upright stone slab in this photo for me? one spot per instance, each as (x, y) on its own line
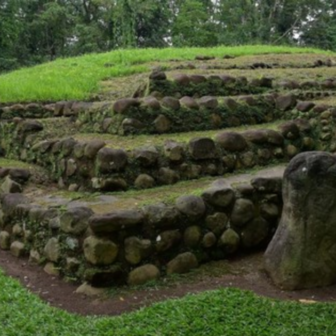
(302, 253)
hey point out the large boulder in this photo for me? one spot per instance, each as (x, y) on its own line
(302, 252)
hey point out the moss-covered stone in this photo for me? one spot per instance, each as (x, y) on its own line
(100, 251)
(75, 220)
(5, 240)
(243, 211)
(217, 222)
(143, 274)
(229, 241)
(52, 250)
(17, 249)
(136, 249)
(183, 263)
(192, 236)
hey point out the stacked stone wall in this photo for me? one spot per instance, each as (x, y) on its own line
(138, 245)
(96, 165)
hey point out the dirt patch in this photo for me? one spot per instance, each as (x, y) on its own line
(242, 272)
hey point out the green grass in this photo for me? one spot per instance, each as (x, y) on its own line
(227, 312)
(135, 199)
(79, 77)
(135, 141)
(5, 163)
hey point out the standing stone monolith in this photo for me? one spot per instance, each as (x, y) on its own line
(302, 253)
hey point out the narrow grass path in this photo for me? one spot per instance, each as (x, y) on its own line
(79, 77)
(230, 312)
(133, 141)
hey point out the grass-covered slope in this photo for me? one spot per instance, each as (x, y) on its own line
(228, 312)
(79, 78)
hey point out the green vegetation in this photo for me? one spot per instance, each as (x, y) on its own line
(223, 312)
(29, 35)
(79, 78)
(166, 194)
(131, 142)
(5, 163)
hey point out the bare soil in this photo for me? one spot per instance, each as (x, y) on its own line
(243, 272)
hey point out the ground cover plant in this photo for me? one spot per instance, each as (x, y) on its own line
(79, 78)
(223, 312)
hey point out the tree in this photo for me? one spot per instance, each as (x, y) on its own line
(141, 23)
(321, 32)
(48, 28)
(93, 26)
(10, 29)
(193, 25)
(237, 21)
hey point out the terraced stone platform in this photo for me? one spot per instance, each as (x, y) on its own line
(180, 167)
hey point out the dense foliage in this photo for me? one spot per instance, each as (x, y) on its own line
(34, 31)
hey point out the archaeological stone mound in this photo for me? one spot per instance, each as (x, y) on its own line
(302, 254)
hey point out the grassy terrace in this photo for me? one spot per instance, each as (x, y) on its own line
(80, 77)
(278, 74)
(134, 199)
(5, 163)
(131, 142)
(223, 312)
(226, 312)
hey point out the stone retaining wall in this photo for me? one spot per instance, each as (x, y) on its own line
(96, 116)
(171, 115)
(215, 85)
(31, 110)
(95, 165)
(253, 66)
(139, 245)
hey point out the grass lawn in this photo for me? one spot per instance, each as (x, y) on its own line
(78, 78)
(228, 312)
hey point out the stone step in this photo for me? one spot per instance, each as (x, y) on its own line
(104, 203)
